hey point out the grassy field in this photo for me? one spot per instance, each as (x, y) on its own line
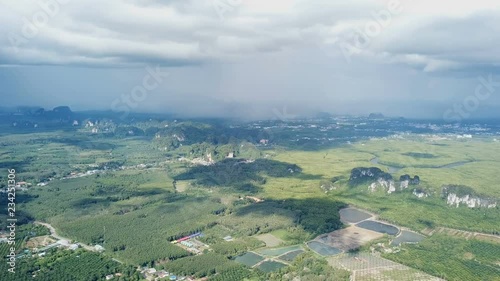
(135, 213)
(404, 208)
(137, 203)
(452, 258)
(365, 267)
(483, 155)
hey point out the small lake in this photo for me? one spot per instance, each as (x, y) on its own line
(249, 259)
(291, 255)
(323, 249)
(270, 266)
(351, 215)
(378, 227)
(279, 251)
(407, 237)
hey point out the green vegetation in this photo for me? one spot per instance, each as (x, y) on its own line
(459, 190)
(57, 264)
(200, 266)
(291, 235)
(67, 265)
(237, 272)
(309, 267)
(141, 205)
(452, 258)
(315, 216)
(419, 155)
(23, 234)
(239, 174)
(234, 248)
(270, 266)
(291, 186)
(404, 208)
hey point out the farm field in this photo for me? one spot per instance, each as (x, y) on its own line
(451, 258)
(268, 217)
(403, 208)
(144, 205)
(323, 249)
(270, 240)
(79, 265)
(349, 238)
(365, 266)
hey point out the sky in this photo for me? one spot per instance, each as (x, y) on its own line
(254, 59)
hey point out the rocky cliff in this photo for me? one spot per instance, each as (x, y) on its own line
(375, 178)
(382, 183)
(362, 175)
(456, 195)
(420, 193)
(378, 179)
(407, 180)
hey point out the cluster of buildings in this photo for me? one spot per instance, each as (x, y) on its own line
(22, 185)
(75, 175)
(61, 243)
(254, 199)
(40, 252)
(98, 126)
(191, 244)
(264, 142)
(153, 274)
(185, 238)
(111, 276)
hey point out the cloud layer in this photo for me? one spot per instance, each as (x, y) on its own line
(428, 34)
(292, 49)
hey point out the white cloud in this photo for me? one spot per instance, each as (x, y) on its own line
(263, 54)
(126, 32)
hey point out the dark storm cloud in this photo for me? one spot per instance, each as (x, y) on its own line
(250, 58)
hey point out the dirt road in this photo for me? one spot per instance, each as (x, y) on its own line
(55, 235)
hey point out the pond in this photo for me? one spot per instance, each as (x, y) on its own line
(290, 256)
(270, 266)
(378, 227)
(407, 237)
(351, 215)
(249, 259)
(323, 249)
(279, 251)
